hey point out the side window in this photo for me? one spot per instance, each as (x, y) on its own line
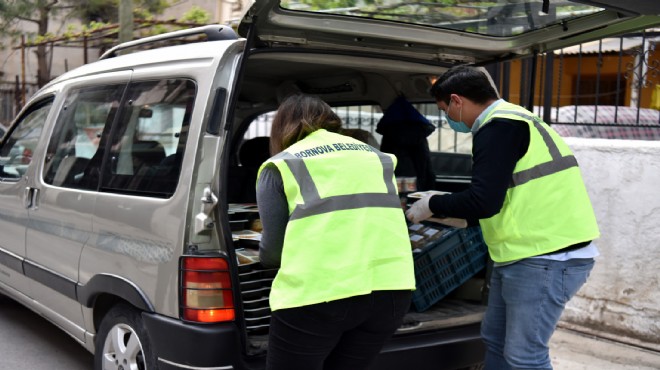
(17, 150)
(73, 156)
(357, 120)
(149, 139)
(450, 152)
(361, 121)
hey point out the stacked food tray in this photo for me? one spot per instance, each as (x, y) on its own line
(445, 263)
(255, 281)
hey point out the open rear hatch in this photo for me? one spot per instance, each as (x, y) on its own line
(447, 32)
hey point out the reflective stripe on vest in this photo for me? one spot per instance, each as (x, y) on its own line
(557, 164)
(314, 205)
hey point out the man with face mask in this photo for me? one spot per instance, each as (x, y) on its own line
(528, 196)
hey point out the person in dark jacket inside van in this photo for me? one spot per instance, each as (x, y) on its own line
(332, 221)
(528, 196)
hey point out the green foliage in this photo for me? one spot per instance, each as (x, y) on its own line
(10, 13)
(319, 4)
(195, 15)
(41, 38)
(157, 29)
(142, 13)
(106, 10)
(96, 10)
(94, 14)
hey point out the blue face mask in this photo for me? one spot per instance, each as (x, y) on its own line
(458, 126)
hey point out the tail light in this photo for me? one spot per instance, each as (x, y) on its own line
(206, 293)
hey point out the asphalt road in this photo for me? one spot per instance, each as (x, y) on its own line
(27, 341)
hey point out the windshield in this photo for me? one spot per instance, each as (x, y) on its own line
(495, 18)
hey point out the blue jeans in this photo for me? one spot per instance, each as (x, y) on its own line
(525, 302)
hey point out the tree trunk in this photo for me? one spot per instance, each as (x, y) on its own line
(43, 72)
(125, 21)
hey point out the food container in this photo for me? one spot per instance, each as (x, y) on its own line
(415, 228)
(256, 225)
(431, 233)
(400, 184)
(416, 241)
(246, 256)
(409, 184)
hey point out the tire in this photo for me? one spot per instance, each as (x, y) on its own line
(122, 342)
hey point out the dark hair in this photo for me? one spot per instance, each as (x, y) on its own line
(466, 81)
(298, 116)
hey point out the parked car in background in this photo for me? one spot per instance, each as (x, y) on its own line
(122, 221)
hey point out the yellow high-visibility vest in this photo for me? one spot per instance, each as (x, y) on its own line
(547, 207)
(347, 233)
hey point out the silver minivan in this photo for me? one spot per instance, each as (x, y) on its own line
(127, 185)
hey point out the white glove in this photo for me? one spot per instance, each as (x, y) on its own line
(420, 210)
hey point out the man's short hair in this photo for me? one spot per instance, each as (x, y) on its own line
(471, 82)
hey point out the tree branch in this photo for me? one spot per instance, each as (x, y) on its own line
(27, 19)
(64, 7)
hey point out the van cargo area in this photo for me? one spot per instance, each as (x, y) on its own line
(440, 307)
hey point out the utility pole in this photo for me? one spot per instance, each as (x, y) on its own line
(125, 20)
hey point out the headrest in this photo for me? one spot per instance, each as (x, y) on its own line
(254, 151)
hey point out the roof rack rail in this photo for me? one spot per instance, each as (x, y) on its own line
(213, 33)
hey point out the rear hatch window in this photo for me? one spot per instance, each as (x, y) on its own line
(501, 18)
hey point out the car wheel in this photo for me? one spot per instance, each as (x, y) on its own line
(122, 343)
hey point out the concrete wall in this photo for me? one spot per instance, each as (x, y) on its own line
(621, 299)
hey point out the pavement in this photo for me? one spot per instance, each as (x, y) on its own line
(28, 341)
(571, 350)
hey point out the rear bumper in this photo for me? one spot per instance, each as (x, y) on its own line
(448, 349)
(180, 345)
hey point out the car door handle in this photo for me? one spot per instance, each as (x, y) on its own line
(31, 198)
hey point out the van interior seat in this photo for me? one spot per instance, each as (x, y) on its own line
(254, 152)
(147, 153)
(70, 171)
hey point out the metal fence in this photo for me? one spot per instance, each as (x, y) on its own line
(608, 88)
(11, 100)
(8, 105)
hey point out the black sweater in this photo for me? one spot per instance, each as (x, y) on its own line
(496, 148)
